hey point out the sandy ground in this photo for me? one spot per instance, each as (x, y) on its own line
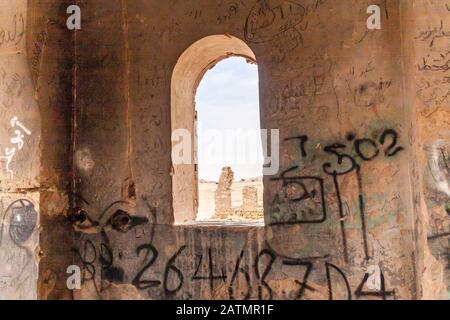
(206, 196)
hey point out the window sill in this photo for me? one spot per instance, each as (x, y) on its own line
(222, 224)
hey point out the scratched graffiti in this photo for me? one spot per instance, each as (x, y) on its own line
(364, 90)
(308, 92)
(434, 81)
(281, 23)
(269, 19)
(433, 91)
(118, 247)
(231, 11)
(15, 33)
(13, 88)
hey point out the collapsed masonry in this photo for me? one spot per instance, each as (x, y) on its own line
(249, 210)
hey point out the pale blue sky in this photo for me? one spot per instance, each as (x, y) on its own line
(228, 100)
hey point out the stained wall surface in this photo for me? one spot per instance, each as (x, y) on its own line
(359, 207)
(432, 100)
(19, 177)
(348, 138)
(35, 148)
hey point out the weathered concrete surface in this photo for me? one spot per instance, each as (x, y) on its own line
(360, 202)
(35, 98)
(334, 90)
(430, 92)
(19, 157)
(50, 56)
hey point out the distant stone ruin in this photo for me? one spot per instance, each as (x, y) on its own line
(249, 210)
(223, 194)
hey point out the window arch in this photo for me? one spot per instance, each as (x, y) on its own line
(187, 74)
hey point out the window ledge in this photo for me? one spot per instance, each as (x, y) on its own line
(222, 224)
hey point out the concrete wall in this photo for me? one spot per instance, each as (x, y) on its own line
(50, 55)
(19, 177)
(35, 98)
(361, 114)
(323, 77)
(430, 92)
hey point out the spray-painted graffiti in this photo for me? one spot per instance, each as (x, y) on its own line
(437, 193)
(247, 276)
(301, 199)
(17, 140)
(23, 219)
(249, 268)
(439, 166)
(18, 239)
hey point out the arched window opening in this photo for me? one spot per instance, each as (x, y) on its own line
(200, 135)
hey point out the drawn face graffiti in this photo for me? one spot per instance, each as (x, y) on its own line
(23, 220)
(369, 94)
(270, 18)
(18, 241)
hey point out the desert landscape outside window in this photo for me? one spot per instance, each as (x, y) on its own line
(229, 150)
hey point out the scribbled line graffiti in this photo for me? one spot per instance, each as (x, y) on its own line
(98, 267)
(16, 34)
(232, 11)
(366, 93)
(438, 59)
(17, 140)
(439, 166)
(38, 47)
(13, 87)
(436, 62)
(301, 199)
(438, 155)
(369, 94)
(267, 20)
